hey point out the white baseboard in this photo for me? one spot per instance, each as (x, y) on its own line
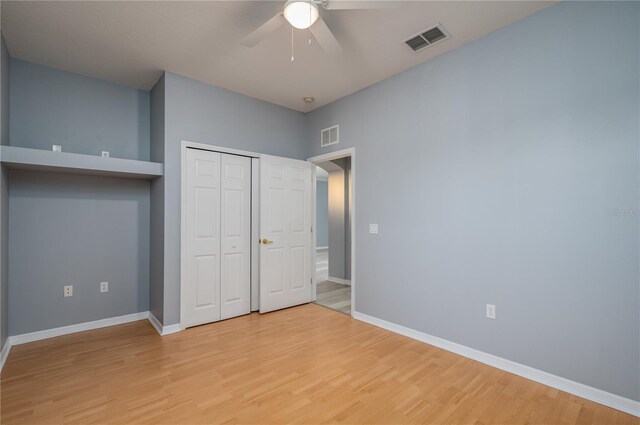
(614, 401)
(163, 330)
(4, 353)
(318, 248)
(338, 280)
(171, 329)
(80, 327)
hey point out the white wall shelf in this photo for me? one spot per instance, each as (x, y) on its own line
(40, 160)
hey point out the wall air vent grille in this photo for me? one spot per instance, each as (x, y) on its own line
(329, 136)
(427, 38)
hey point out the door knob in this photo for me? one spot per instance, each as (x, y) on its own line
(266, 241)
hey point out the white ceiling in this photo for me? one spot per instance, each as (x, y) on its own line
(321, 173)
(131, 42)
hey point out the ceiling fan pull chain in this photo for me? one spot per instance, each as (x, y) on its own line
(292, 58)
(310, 21)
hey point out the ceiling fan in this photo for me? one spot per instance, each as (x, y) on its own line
(303, 14)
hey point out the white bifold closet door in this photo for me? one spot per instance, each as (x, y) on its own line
(218, 237)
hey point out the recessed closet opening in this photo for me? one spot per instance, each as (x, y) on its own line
(247, 237)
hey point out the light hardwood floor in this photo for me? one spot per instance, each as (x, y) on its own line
(302, 365)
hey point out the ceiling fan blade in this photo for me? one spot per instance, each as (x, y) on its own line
(264, 31)
(361, 4)
(325, 38)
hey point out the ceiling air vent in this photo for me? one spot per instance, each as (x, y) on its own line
(329, 136)
(427, 37)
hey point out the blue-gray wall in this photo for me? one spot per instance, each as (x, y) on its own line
(156, 273)
(4, 255)
(4, 194)
(84, 115)
(76, 230)
(337, 226)
(4, 91)
(507, 172)
(322, 213)
(202, 113)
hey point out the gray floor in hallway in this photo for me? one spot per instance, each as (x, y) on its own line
(335, 296)
(332, 295)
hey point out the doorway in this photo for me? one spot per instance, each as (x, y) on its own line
(334, 230)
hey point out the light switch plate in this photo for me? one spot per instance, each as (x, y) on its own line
(491, 311)
(104, 286)
(373, 229)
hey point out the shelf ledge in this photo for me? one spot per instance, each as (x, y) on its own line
(14, 157)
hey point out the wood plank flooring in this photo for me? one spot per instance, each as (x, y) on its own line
(334, 296)
(302, 365)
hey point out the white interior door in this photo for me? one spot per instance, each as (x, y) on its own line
(285, 226)
(202, 250)
(235, 280)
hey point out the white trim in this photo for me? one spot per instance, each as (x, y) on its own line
(255, 234)
(221, 149)
(155, 323)
(338, 280)
(80, 327)
(351, 152)
(171, 329)
(314, 231)
(614, 401)
(163, 330)
(318, 248)
(4, 354)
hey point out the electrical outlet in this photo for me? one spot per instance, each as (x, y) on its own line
(56, 148)
(104, 286)
(68, 291)
(373, 229)
(491, 311)
(105, 154)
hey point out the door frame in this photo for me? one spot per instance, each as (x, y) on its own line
(343, 153)
(255, 212)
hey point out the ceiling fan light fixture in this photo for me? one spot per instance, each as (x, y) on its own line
(301, 13)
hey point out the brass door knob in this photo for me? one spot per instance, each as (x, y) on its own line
(266, 241)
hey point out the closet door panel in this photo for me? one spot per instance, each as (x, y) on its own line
(202, 285)
(235, 236)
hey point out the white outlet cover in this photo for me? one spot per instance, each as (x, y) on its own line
(68, 291)
(56, 148)
(104, 286)
(105, 154)
(491, 311)
(373, 229)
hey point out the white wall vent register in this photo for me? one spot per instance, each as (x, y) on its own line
(330, 136)
(428, 37)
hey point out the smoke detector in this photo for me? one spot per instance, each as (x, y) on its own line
(308, 99)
